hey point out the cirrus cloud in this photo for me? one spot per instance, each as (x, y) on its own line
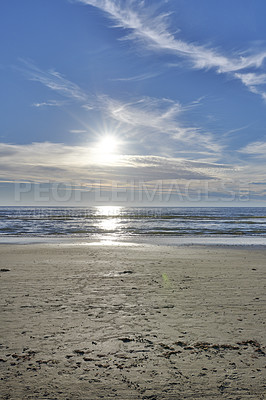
(152, 30)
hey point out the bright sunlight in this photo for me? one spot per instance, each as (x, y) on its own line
(106, 149)
(108, 145)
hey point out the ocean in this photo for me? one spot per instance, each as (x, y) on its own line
(136, 223)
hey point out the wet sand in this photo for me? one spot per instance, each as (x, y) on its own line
(132, 322)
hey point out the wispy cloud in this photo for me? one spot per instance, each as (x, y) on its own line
(49, 103)
(138, 78)
(78, 131)
(161, 116)
(257, 149)
(236, 130)
(252, 81)
(54, 81)
(145, 118)
(146, 112)
(50, 161)
(153, 31)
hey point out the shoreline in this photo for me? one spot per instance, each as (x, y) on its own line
(160, 240)
(142, 322)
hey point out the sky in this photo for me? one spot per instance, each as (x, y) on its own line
(133, 102)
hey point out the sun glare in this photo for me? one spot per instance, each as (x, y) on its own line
(106, 149)
(107, 145)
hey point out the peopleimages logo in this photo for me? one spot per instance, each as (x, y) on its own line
(132, 191)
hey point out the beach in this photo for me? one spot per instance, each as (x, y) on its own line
(132, 321)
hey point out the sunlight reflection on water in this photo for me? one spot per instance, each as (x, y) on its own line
(109, 225)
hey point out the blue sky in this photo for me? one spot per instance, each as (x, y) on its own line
(179, 86)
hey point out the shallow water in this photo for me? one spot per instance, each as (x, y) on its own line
(128, 223)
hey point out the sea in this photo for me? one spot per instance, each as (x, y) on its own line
(114, 224)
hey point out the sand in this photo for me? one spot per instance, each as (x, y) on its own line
(132, 322)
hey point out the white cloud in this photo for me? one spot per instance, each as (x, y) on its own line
(153, 31)
(54, 81)
(252, 81)
(138, 78)
(146, 112)
(257, 149)
(52, 161)
(78, 131)
(146, 118)
(76, 166)
(49, 103)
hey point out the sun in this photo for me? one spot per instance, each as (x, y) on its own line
(106, 149)
(107, 145)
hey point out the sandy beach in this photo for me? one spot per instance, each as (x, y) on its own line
(132, 322)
